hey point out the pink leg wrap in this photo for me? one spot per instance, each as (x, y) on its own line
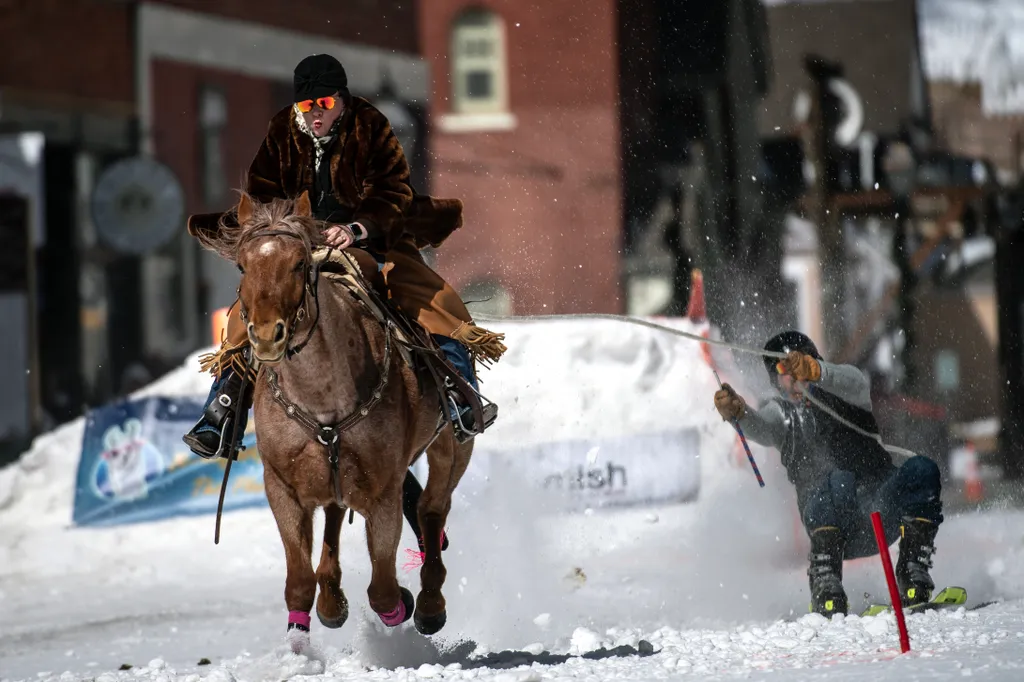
(298, 619)
(395, 617)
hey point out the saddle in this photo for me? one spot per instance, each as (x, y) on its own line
(356, 271)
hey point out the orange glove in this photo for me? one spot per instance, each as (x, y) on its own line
(729, 404)
(800, 366)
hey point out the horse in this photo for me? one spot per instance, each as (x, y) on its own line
(338, 420)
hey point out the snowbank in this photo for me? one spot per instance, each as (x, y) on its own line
(38, 488)
(560, 380)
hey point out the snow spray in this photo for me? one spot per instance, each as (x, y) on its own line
(892, 449)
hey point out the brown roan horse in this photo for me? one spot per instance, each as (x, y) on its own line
(345, 374)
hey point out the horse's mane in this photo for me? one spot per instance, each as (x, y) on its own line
(278, 214)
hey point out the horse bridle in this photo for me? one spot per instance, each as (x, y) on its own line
(311, 279)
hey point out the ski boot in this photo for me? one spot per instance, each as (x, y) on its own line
(458, 411)
(826, 572)
(917, 544)
(208, 438)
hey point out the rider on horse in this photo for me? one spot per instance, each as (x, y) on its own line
(341, 150)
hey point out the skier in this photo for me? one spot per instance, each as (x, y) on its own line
(841, 471)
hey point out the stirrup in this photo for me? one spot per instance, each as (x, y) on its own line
(190, 439)
(464, 433)
(224, 446)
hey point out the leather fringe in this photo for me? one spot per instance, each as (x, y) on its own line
(227, 356)
(484, 346)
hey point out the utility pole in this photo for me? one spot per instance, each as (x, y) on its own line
(819, 147)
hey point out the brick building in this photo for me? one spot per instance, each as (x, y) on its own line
(66, 106)
(88, 82)
(525, 130)
(207, 86)
(563, 125)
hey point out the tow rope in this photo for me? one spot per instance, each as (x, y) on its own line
(891, 449)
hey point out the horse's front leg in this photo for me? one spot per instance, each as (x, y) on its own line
(331, 604)
(447, 461)
(392, 603)
(295, 525)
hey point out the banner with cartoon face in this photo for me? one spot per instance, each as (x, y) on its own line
(134, 466)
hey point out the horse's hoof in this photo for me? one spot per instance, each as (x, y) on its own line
(429, 625)
(402, 612)
(333, 623)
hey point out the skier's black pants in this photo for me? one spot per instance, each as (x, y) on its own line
(911, 490)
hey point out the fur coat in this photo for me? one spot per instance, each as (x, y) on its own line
(369, 175)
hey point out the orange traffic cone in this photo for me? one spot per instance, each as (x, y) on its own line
(974, 491)
(219, 325)
(696, 309)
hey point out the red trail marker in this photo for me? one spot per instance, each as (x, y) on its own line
(890, 577)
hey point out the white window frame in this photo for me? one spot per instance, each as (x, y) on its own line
(213, 119)
(476, 27)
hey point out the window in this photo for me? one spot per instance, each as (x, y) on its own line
(213, 117)
(947, 370)
(479, 79)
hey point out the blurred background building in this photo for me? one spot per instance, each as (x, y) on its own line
(847, 167)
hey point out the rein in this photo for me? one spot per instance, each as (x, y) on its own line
(233, 450)
(328, 435)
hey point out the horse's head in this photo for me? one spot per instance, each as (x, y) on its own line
(273, 251)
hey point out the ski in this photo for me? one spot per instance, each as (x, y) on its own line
(949, 597)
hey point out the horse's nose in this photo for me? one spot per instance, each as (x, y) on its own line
(268, 337)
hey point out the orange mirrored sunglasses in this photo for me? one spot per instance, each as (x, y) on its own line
(326, 103)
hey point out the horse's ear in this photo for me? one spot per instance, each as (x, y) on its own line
(302, 206)
(244, 210)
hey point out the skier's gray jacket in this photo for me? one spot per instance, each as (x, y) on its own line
(812, 443)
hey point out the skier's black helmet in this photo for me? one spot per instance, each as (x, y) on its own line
(785, 342)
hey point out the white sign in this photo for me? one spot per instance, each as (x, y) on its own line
(595, 473)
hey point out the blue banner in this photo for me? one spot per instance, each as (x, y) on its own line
(134, 466)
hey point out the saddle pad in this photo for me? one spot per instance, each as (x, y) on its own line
(343, 268)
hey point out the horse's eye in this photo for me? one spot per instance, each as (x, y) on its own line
(300, 266)
(240, 268)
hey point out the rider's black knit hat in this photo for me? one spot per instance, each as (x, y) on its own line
(320, 75)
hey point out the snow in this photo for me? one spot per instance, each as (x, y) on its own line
(711, 590)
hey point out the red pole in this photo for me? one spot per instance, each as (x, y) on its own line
(890, 577)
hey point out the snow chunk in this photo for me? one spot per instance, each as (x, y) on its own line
(584, 640)
(878, 626)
